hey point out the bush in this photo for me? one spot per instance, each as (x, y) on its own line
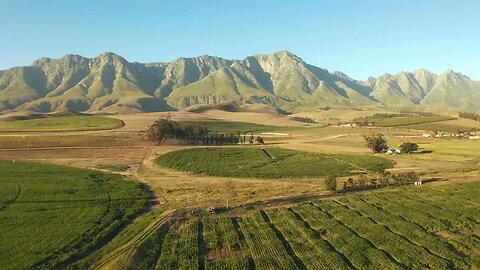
(406, 178)
(331, 183)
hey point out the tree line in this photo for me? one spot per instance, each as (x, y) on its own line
(469, 115)
(382, 179)
(194, 133)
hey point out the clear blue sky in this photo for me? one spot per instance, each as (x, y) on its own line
(360, 38)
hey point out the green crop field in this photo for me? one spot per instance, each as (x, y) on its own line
(268, 162)
(408, 120)
(63, 123)
(439, 127)
(243, 127)
(50, 213)
(429, 227)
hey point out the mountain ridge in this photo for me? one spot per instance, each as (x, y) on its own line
(110, 83)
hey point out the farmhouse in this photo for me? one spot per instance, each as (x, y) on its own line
(393, 152)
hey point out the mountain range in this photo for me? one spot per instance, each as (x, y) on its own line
(109, 83)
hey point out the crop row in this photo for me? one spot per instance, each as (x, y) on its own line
(268, 163)
(402, 228)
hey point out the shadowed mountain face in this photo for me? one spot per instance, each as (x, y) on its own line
(109, 83)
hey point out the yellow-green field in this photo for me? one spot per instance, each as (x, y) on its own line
(62, 123)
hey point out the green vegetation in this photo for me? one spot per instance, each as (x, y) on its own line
(63, 123)
(440, 127)
(408, 147)
(448, 149)
(376, 142)
(331, 182)
(51, 213)
(469, 115)
(268, 162)
(243, 127)
(428, 227)
(303, 119)
(385, 120)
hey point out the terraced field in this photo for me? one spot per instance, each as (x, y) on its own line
(63, 123)
(268, 162)
(50, 214)
(428, 227)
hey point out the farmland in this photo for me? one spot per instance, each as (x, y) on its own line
(62, 123)
(268, 162)
(52, 213)
(432, 227)
(280, 214)
(244, 127)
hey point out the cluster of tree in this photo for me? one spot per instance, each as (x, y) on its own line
(183, 130)
(303, 119)
(382, 179)
(376, 142)
(408, 147)
(469, 115)
(193, 133)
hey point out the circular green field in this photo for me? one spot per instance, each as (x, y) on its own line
(268, 162)
(50, 213)
(63, 123)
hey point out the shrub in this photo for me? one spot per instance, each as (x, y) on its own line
(331, 183)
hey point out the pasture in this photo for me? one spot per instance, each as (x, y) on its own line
(268, 162)
(429, 227)
(62, 123)
(244, 127)
(50, 214)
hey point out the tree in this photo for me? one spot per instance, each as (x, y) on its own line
(376, 142)
(331, 183)
(251, 139)
(259, 140)
(408, 147)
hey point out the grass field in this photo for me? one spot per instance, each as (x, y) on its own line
(428, 227)
(440, 127)
(407, 120)
(268, 162)
(449, 150)
(63, 123)
(243, 127)
(50, 213)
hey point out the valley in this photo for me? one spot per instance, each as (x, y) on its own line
(214, 204)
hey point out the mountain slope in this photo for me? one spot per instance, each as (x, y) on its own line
(112, 84)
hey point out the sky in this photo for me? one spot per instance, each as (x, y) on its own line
(360, 38)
